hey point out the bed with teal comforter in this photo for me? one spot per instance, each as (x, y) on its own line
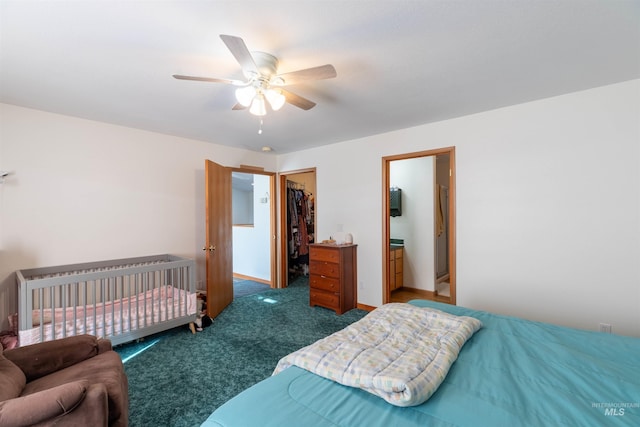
(511, 372)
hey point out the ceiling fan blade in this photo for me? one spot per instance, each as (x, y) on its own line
(240, 52)
(316, 73)
(210, 79)
(297, 100)
(239, 106)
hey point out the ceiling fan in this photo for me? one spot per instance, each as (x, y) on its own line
(263, 83)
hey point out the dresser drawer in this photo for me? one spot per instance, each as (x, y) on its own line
(324, 254)
(323, 268)
(325, 299)
(330, 284)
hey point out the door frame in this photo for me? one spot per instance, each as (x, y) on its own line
(272, 220)
(282, 195)
(386, 225)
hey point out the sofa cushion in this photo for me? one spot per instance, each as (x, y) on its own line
(12, 379)
(38, 360)
(44, 405)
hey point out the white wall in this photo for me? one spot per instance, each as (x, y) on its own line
(415, 177)
(548, 199)
(548, 205)
(87, 191)
(251, 245)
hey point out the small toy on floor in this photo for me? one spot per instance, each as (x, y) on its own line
(202, 320)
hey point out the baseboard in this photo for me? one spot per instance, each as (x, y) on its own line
(422, 292)
(441, 298)
(365, 307)
(255, 279)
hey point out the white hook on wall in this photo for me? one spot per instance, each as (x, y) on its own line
(3, 174)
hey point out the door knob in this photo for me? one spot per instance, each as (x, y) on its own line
(211, 248)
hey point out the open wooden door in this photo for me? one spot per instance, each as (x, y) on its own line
(219, 238)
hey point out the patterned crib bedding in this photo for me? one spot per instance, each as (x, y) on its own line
(399, 352)
(111, 318)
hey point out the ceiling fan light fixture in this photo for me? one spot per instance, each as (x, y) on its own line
(262, 81)
(245, 95)
(276, 98)
(258, 107)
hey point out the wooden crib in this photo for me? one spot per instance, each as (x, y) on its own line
(122, 300)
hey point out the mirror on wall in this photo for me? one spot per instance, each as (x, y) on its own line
(418, 227)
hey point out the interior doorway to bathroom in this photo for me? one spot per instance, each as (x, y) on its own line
(419, 226)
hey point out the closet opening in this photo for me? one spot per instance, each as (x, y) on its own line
(297, 223)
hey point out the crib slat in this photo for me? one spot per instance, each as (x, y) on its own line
(130, 318)
(154, 290)
(121, 305)
(74, 304)
(182, 283)
(84, 312)
(95, 306)
(112, 299)
(41, 302)
(53, 318)
(170, 287)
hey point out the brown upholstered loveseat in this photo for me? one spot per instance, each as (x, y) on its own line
(71, 381)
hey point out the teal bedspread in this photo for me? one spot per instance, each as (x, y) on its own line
(512, 372)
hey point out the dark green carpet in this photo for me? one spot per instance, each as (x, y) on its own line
(181, 378)
(242, 288)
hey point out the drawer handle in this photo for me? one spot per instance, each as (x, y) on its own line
(323, 276)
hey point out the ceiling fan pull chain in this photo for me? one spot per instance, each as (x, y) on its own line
(260, 129)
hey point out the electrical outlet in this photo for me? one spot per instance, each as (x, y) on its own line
(605, 327)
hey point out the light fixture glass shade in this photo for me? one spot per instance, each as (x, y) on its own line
(276, 98)
(245, 95)
(258, 107)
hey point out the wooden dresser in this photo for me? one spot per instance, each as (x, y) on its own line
(333, 276)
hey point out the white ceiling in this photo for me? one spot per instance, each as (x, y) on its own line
(399, 63)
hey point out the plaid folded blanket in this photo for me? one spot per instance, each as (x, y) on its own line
(399, 352)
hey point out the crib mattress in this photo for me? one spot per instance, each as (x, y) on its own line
(512, 372)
